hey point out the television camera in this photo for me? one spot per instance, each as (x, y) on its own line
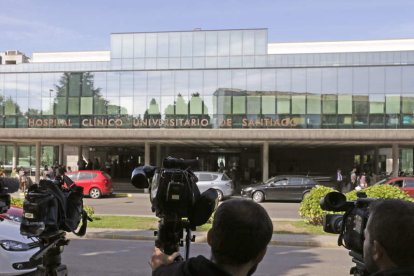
(176, 200)
(50, 209)
(7, 186)
(350, 226)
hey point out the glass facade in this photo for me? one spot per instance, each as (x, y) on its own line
(210, 79)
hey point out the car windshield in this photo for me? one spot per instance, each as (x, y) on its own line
(273, 179)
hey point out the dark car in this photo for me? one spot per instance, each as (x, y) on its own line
(95, 183)
(281, 187)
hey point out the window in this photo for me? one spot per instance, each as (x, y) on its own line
(409, 183)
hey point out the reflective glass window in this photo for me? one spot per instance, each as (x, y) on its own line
(236, 43)
(314, 80)
(268, 105)
(260, 42)
(168, 105)
(186, 44)
(167, 83)
(139, 45)
(253, 80)
(361, 104)
(196, 82)
(162, 45)
(9, 107)
(47, 106)
(376, 103)
(408, 79)
(75, 81)
(154, 106)
(61, 106)
(126, 83)
(329, 104)
(283, 104)
(140, 83)
(10, 86)
(239, 104)
(86, 106)
(329, 80)
(314, 104)
(99, 106)
(196, 105)
(408, 104)
(181, 83)
(181, 107)
(376, 79)
(73, 105)
(126, 105)
(116, 45)
(298, 80)
(199, 44)
(211, 43)
(361, 80)
(248, 42)
(87, 84)
(22, 86)
(34, 106)
(283, 80)
(298, 104)
(344, 104)
(224, 79)
(174, 44)
(113, 105)
(112, 85)
(253, 104)
(392, 104)
(345, 80)
(208, 105)
(223, 43)
(209, 82)
(154, 83)
(224, 105)
(140, 105)
(128, 46)
(223, 62)
(268, 79)
(393, 79)
(238, 79)
(35, 85)
(150, 45)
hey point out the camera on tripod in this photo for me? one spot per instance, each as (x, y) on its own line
(176, 200)
(350, 226)
(50, 209)
(7, 186)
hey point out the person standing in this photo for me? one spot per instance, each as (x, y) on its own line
(339, 180)
(363, 181)
(353, 179)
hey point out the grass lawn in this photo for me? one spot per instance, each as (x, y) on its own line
(151, 223)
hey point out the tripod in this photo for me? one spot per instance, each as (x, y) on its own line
(51, 250)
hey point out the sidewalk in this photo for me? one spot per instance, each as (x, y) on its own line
(201, 237)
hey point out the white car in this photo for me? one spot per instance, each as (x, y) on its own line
(16, 249)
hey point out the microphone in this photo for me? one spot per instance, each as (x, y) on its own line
(9, 185)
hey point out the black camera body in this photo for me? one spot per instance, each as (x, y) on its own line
(350, 226)
(7, 186)
(49, 207)
(176, 200)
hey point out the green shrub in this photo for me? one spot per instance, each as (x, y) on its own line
(381, 191)
(17, 202)
(310, 209)
(89, 210)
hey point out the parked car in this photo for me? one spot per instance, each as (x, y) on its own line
(282, 187)
(95, 183)
(16, 250)
(217, 180)
(14, 213)
(405, 183)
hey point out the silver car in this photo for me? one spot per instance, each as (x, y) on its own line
(219, 181)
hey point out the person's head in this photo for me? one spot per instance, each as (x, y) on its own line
(240, 233)
(389, 235)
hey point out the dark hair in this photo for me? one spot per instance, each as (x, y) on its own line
(241, 231)
(392, 225)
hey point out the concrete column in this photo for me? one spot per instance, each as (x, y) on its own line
(147, 160)
(38, 161)
(376, 155)
(265, 161)
(14, 158)
(395, 159)
(159, 155)
(61, 154)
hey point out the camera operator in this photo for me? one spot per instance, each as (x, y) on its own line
(389, 238)
(238, 239)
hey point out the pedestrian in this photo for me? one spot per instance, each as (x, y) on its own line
(81, 164)
(22, 179)
(363, 181)
(353, 179)
(89, 166)
(339, 181)
(96, 164)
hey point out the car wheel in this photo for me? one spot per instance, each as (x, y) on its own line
(258, 196)
(305, 195)
(219, 195)
(95, 193)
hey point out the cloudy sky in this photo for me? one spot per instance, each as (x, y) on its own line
(75, 25)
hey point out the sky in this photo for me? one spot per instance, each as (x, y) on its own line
(85, 25)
